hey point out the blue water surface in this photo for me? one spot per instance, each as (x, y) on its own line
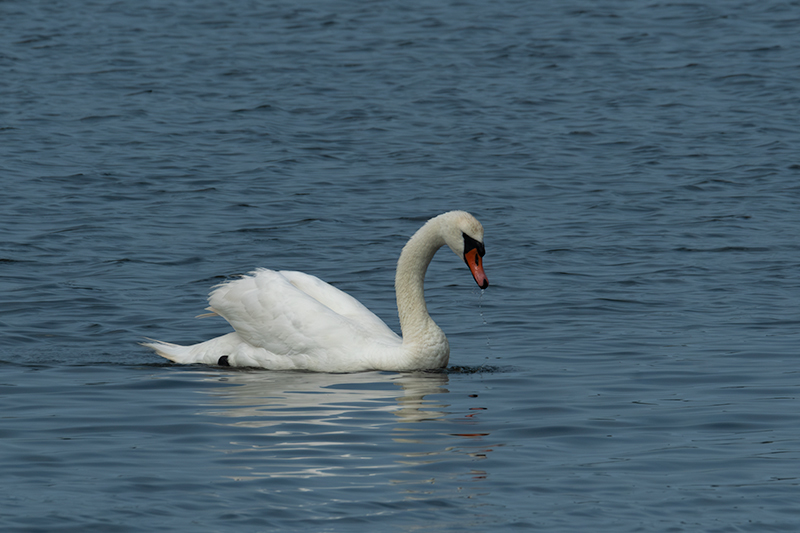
(632, 367)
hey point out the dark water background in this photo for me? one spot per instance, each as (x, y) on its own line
(632, 367)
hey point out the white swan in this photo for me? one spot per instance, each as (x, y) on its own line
(293, 321)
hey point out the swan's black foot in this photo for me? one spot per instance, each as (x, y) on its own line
(223, 361)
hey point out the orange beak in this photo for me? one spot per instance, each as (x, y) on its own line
(475, 265)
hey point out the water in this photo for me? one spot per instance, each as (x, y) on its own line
(632, 367)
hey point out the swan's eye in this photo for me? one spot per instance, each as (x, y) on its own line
(473, 244)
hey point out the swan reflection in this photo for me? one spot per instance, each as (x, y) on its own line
(263, 399)
(293, 425)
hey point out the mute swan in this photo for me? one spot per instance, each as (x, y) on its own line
(293, 321)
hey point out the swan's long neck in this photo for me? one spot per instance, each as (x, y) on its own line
(415, 322)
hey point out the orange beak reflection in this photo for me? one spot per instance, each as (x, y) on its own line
(475, 264)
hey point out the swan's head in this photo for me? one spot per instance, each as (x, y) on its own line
(464, 235)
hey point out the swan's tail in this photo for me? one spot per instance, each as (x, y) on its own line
(207, 353)
(174, 352)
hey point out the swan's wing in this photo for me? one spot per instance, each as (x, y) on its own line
(338, 301)
(271, 310)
